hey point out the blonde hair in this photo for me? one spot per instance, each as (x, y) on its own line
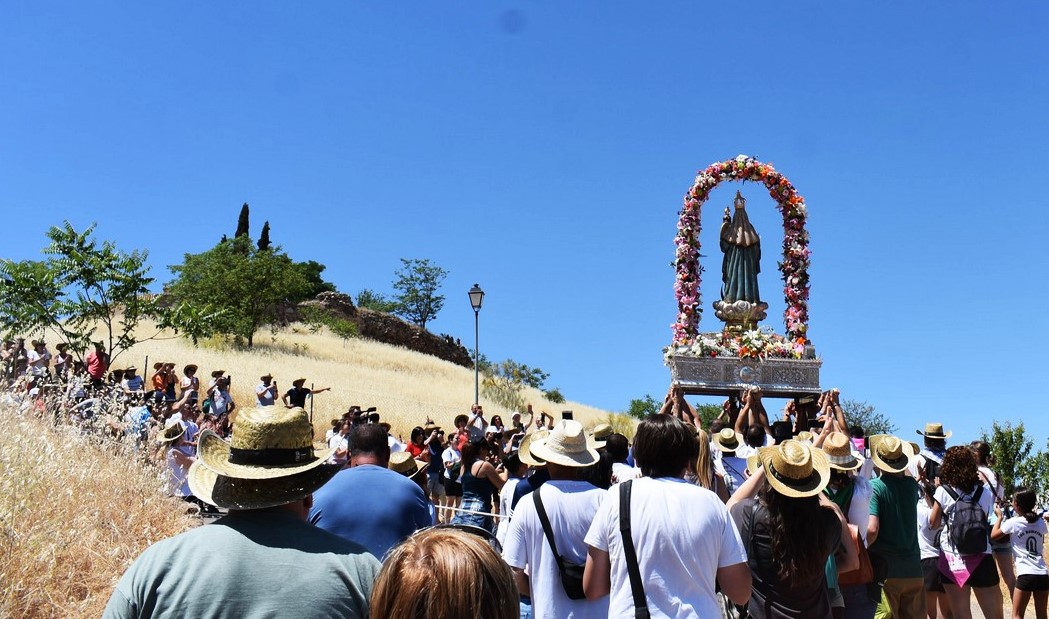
(704, 472)
(443, 573)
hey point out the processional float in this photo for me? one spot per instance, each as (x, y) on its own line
(742, 355)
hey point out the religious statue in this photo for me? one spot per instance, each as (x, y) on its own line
(740, 305)
(742, 247)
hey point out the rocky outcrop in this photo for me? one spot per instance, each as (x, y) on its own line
(389, 329)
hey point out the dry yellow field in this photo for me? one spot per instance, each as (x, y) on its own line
(405, 386)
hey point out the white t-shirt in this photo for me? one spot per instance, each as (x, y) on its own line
(860, 508)
(733, 469)
(38, 362)
(683, 534)
(990, 483)
(506, 497)
(451, 456)
(622, 472)
(926, 534)
(571, 506)
(336, 442)
(1028, 540)
(947, 503)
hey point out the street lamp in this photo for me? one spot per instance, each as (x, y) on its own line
(476, 297)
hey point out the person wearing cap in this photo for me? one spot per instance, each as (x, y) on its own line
(97, 362)
(570, 505)
(263, 559)
(368, 503)
(296, 396)
(892, 532)
(927, 464)
(266, 391)
(678, 558)
(791, 530)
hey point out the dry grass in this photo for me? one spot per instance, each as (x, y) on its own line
(404, 385)
(73, 516)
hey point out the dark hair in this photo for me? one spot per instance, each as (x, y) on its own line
(417, 432)
(617, 447)
(959, 469)
(472, 452)
(512, 462)
(369, 439)
(1025, 499)
(983, 453)
(935, 444)
(663, 446)
(798, 550)
(857, 432)
(460, 419)
(493, 421)
(716, 426)
(754, 436)
(600, 472)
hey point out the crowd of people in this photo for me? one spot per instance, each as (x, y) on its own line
(801, 516)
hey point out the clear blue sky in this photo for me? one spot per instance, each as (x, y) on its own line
(541, 149)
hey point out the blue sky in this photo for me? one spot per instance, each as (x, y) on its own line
(542, 149)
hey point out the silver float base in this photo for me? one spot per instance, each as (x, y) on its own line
(727, 375)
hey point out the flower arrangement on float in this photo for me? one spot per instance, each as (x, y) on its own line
(794, 266)
(755, 344)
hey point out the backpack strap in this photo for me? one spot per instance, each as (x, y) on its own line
(545, 521)
(637, 586)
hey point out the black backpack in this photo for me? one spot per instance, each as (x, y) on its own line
(967, 524)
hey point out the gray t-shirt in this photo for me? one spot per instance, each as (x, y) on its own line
(264, 563)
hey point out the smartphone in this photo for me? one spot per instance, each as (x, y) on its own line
(566, 414)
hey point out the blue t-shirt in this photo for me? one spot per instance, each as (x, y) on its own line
(435, 467)
(529, 484)
(371, 505)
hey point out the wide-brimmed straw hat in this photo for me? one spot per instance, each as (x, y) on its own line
(805, 436)
(795, 469)
(934, 430)
(265, 376)
(172, 432)
(891, 454)
(566, 445)
(298, 381)
(130, 368)
(838, 448)
(528, 443)
(601, 432)
(158, 365)
(61, 346)
(270, 461)
(402, 462)
(189, 368)
(217, 373)
(727, 440)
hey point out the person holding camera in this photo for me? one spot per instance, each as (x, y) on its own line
(266, 391)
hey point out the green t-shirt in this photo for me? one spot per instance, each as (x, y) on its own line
(265, 563)
(894, 500)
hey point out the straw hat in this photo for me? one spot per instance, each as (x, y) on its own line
(217, 373)
(130, 368)
(934, 430)
(890, 454)
(271, 461)
(566, 445)
(172, 432)
(62, 346)
(529, 441)
(795, 469)
(838, 448)
(430, 427)
(267, 442)
(158, 365)
(727, 440)
(804, 435)
(298, 382)
(189, 368)
(265, 376)
(601, 432)
(402, 462)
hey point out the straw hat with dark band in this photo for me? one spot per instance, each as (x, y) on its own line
(601, 432)
(890, 454)
(402, 462)
(172, 433)
(527, 443)
(795, 469)
(934, 430)
(270, 461)
(838, 448)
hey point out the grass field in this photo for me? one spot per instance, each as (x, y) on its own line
(405, 386)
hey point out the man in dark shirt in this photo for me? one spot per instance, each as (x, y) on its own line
(296, 396)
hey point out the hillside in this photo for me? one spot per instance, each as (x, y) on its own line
(405, 386)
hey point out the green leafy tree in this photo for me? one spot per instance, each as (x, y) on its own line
(707, 414)
(240, 284)
(1011, 450)
(311, 272)
(641, 408)
(554, 395)
(375, 301)
(504, 382)
(864, 415)
(417, 284)
(80, 287)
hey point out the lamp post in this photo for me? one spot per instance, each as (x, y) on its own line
(476, 297)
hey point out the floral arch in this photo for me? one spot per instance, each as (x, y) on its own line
(794, 266)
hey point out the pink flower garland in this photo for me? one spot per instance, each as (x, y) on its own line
(795, 263)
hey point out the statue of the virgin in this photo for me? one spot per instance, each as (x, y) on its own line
(742, 263)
